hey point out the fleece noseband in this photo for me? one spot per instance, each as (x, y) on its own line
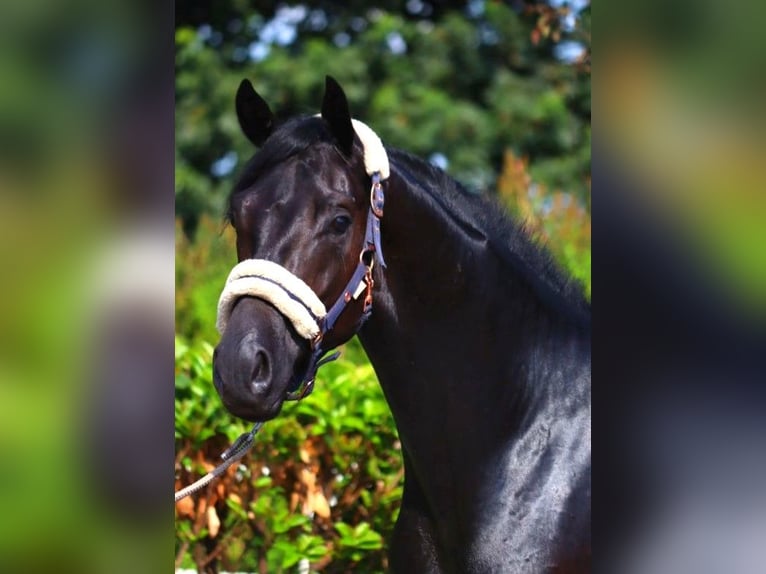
(294, 299)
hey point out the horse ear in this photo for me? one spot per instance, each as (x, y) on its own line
(255, 117)
(335, 112)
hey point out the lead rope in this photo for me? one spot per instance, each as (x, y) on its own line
(231, 455)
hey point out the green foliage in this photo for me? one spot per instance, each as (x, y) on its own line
(322, 483)
(202, 266)
(466, 87)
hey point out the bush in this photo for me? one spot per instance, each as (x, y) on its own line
(322, 483)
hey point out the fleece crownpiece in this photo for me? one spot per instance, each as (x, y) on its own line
(375, 156)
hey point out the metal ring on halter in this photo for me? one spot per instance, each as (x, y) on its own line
(364, 252)
(376, 198)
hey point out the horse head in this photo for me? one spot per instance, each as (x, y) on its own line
(300, 211)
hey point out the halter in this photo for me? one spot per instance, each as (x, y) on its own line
(294, 299)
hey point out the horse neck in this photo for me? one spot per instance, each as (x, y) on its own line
(454, 332)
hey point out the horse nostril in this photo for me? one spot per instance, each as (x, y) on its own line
(261, 369)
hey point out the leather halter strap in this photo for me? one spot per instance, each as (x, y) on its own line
(361, 281)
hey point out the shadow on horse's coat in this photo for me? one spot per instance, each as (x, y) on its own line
(481, 347)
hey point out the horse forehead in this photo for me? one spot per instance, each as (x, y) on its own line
(315, 171)
(318, 176)
(324, 167)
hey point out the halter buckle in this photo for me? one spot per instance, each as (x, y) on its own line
(303, 390)
(370, 284)
(377, 198)
(317, 340)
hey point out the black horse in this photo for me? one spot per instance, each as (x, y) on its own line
(481, 347)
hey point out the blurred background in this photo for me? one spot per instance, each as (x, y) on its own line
(86, 296)
(495, 93)
(679, 351)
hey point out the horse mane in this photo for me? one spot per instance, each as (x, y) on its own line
(512, 242)
(471, 212)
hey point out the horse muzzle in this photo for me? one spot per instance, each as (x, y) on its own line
(255, 362)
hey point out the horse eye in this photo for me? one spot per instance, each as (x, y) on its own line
(341, 223)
